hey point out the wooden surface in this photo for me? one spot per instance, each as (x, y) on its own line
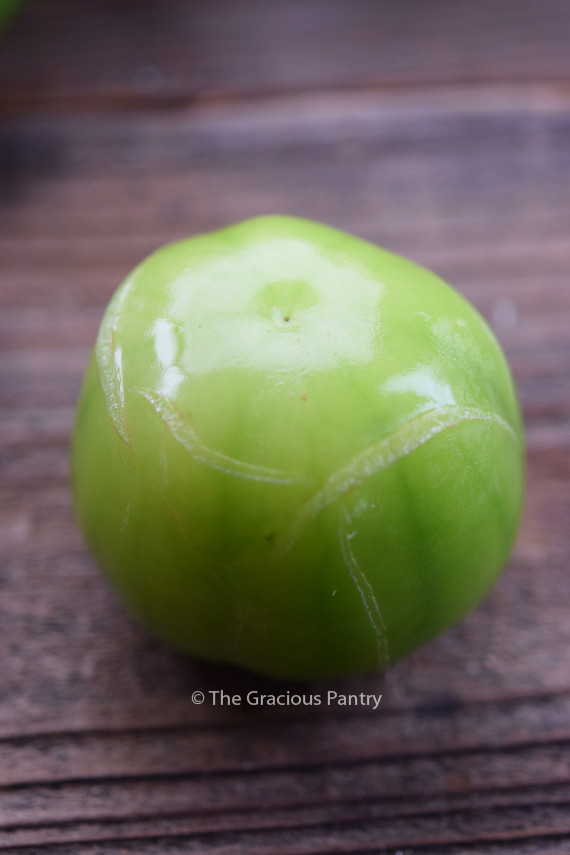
(438, 129)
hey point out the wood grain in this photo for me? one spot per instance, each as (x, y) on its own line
(122, 55)
(441, 131)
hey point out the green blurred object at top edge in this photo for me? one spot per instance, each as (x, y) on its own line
(7, 9)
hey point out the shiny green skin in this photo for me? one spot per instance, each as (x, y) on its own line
(296, 451)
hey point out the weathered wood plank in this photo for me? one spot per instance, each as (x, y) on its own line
(478, 192)
(124, 55)
(127, 811)
(374, 751)
(498, 778)
(538, 827)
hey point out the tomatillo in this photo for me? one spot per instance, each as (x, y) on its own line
(296, 451)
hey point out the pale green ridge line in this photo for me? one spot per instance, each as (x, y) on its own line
(380, 456)
(126, 518)
(183, 432)
(108, 358)
(366, 593)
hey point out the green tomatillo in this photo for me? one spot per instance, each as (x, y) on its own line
(296, 451)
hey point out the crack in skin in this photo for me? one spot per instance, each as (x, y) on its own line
(380, 456)
(183, 432)
(108, 359)
(361, 468)
(366, 594)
